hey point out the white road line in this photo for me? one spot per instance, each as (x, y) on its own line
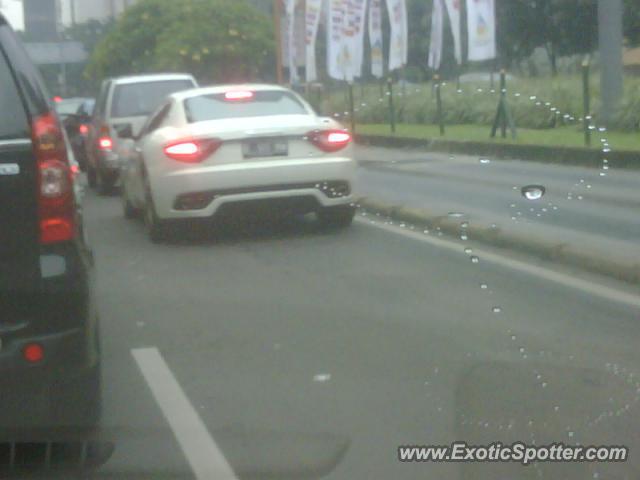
(590, 287)
(199, 447)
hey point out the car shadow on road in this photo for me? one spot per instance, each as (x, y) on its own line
(248, 229)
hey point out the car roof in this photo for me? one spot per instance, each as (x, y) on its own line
(196, 92)
(155, 77)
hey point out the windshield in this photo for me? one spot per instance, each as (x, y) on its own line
(258, 104)
(69, 107)
(372, 239)
(140, 99)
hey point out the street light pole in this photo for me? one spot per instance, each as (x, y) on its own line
(278, 36)
(610, 37)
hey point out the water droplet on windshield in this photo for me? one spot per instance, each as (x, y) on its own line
(544, 385)
(456, 214)
(475, 259)
(484, 286)
(464, 225)
(485, 161)
(533, 192)
(496, 310)
(513, 337)
(464, 237)
(468, 251)
(322, 377)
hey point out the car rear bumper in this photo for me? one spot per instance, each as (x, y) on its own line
(27, 388)
(316, 182)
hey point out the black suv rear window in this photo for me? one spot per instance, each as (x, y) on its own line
(140, 99)
(13, 118)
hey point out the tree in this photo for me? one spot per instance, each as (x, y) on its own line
(632, 22)
(216, 40)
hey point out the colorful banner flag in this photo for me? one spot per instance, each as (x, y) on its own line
(399, 38)
(335, 43)
(437, 31)
(359, 19)
(312, 20)
(290, 15)
(481, 26)
(453, 9)
(376, 38)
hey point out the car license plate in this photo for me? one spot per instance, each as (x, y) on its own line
(265, 148)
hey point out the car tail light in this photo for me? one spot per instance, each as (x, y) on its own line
(33, 353)
(57, 99)
(56, 204)
(83, 129)
(105, 142)
(239, 95)
(191, 151)
(330, 140)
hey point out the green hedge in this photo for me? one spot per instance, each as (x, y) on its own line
(476, 104)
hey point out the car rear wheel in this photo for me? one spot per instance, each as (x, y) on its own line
(128, 210)
(157, 229)
(91, 177)
(105, 183)
(337, 217)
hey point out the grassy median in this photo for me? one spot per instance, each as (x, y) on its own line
(559, 137)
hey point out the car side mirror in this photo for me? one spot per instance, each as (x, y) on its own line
(124, 130)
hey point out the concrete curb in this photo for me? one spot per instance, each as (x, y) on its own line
(546, 250)
(584, 157)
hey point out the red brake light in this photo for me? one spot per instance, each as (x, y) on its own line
(83, 129)
(191, 151)
(105, 143)
(239, 95)
(33, 353)
(55, 185)
(57, 99)
(330, 140)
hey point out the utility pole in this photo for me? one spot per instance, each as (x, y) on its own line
(278, 35)
(72, 6)
(610, 37)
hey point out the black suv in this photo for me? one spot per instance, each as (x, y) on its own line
(49, 343)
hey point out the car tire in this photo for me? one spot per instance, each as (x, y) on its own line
(157, 229)
(128, 210)
(78, 403)
(105, 185)
(337, 217)
(91, 177)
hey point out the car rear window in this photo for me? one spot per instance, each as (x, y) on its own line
(68, 107)
(140, 99)
(13, 118)
(263, 103)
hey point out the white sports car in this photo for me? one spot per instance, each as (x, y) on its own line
(209, 148)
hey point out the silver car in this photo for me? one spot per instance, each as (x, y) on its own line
(122, 107)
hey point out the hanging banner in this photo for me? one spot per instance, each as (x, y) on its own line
(359, 19)
(399, 38)
(335, 43)
(453, 9)
(437, 31)
(348, 40)
(312, 20)
(376, 39)
(481, 16)
(290, 15)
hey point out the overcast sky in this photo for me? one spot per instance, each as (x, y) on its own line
(12, 10)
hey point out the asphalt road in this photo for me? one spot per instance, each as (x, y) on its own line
(580, 206)
(301, 350)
